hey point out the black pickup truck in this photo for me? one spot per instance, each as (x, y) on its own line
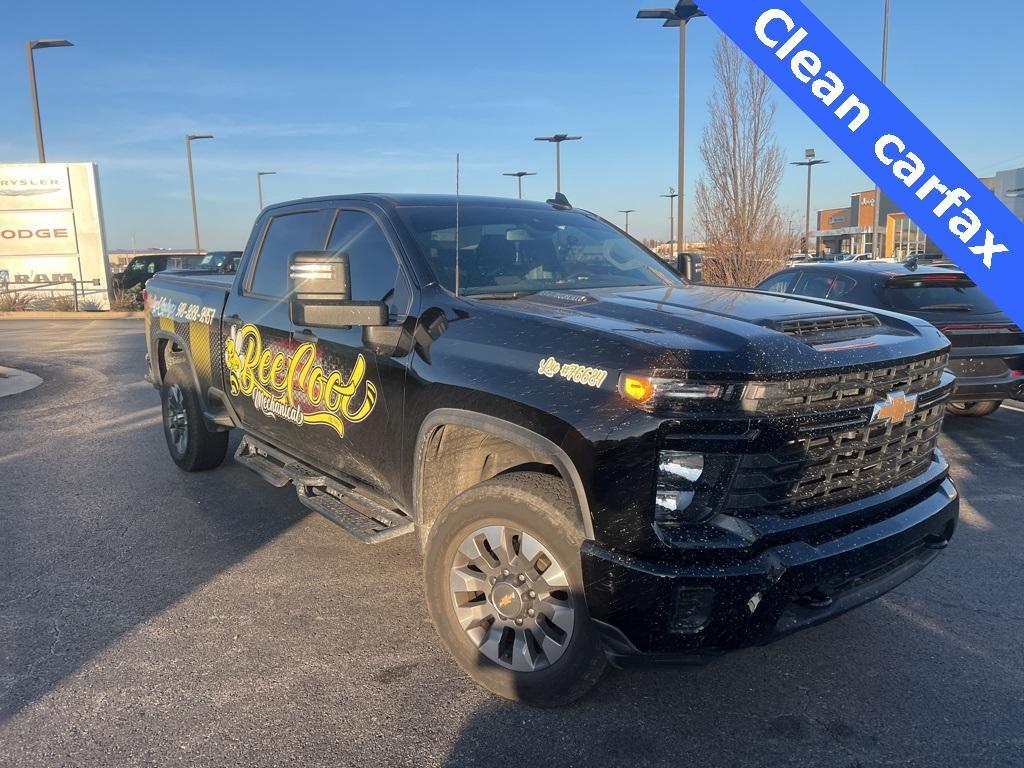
(600, 461)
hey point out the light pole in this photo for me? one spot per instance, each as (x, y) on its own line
(810, 162)
(627, 212)
(519, 177)
(672, 195)
(878, 193)
(557, 140)
(30, 47)
(259, 184)
(678, 17)
(189, 138)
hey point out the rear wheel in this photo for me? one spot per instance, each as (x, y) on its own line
(193, 447)
(978, 408)
(505, 590)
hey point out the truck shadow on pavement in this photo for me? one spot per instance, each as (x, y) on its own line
(102, 544)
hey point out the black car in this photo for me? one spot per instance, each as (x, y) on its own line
(988, 348)
(143, 267)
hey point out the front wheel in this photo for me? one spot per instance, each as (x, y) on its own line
(982, 408)
(505, 590)
(193, 447)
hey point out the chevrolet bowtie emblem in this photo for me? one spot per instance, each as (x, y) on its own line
(895, 408)
(504, 602)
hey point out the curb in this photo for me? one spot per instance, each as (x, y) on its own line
(14, 381)
(97, 315)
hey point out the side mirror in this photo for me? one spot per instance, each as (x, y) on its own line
(318, 283)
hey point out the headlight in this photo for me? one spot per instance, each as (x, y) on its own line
(658, 392)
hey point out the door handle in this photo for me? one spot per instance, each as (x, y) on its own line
(305, 335)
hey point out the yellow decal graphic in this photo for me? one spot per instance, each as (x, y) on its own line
(578, 374)
(293, 385)
(505, 601)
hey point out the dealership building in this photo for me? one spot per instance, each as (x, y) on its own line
(850, 229)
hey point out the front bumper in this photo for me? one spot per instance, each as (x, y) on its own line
(685, 613)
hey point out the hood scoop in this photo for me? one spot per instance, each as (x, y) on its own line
(819, 325)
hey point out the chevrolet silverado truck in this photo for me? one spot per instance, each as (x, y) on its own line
(600, 462)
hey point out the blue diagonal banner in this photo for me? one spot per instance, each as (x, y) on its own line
(884, 138)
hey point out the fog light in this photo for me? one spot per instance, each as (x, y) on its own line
(693, 609)
(679, 473)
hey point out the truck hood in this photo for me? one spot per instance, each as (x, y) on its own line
(734, 330)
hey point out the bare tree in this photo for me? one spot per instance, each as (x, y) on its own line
(746, 235)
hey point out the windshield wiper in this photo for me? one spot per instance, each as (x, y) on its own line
(950, 307)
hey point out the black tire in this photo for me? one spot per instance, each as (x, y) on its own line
(980, 408)
(540, 507)
(192, 446)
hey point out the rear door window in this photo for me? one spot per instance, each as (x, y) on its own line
(842, 287)
(816, 283)
(777, 283)
(287, 233)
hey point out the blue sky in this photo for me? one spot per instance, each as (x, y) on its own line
(358, 96)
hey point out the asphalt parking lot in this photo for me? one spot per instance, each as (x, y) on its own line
(149, 617)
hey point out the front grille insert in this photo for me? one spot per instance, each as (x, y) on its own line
(815, 326)
(848, 390)
(826, 470)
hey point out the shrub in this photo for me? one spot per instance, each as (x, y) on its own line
(14, 302)
(52, 303)
(127, 301)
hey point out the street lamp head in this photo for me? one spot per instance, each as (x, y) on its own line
(51, 43)
(558, 138)
(673, 17)
(193, 136)
(266, 173)
(520, 174)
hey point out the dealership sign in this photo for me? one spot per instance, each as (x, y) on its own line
(51, 227)
(34, 187)
(884, 138)
(37, 233)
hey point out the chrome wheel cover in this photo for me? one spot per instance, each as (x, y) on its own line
(512, 598)
(176, 419)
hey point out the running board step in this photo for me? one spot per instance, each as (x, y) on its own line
(362, 517)
(346, 507)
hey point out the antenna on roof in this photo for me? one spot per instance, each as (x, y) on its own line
(911, 263)
(458, 274)
(559, 201)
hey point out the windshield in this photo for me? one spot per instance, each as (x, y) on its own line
(938, 293)
(519, 249)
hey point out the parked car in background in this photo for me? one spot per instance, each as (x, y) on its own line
(988, 348)
(143, 267)
(224, 262)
